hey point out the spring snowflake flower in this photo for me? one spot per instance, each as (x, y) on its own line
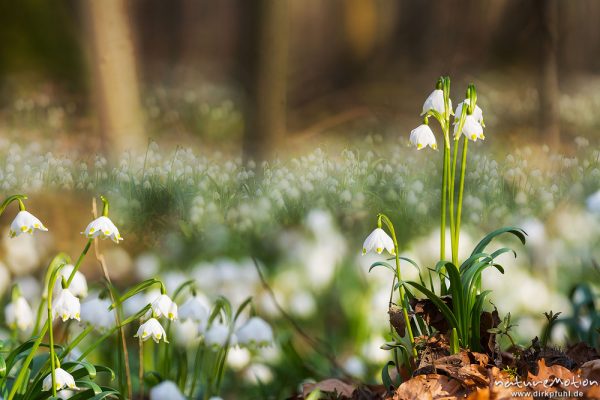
(63, 379)
(78, 285)
(255, 332)
(151, 329)
(95, 312)
(166, 390)
(194, 309)
(66, 306)
(378, 240)
(217, 335)
(18, 314)
(593, 203)
(435, 102)
(422, 136)
(163, 305)
(25, 222)
(471, 129)
(477, 112)
(102, 227)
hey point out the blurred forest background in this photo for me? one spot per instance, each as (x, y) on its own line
(253, 75)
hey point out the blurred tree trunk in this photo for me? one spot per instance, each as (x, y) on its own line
(116, 91)
(263, 74)
(549, 92)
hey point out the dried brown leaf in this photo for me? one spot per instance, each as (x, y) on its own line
(329, 386)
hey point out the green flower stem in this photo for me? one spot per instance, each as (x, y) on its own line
(50, 318)
(403, 297)
(79, 260)
(444, 199)
(76, 341)
(463, 169)
(451, 196)
(24, 368)
(199, 360)
(10, 199)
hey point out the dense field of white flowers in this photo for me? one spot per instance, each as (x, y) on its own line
(305, 218)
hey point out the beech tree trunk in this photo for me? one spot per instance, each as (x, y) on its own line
(115, 80)
(549, 91)
(263, 66)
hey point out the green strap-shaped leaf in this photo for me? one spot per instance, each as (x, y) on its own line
(518, 232)
(439, 303)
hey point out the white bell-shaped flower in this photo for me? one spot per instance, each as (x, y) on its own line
(163, 305)
(96, 313)
(19, 314)
(471, 129)
(25, 222)
(166, 390)
(378, 240)
(63, 379)
(593, 202)
(152, 329)
(217, 335)
(102, 227)
(477, 112)
(435, 102)
(422, 136)
(255, 332)
(195, 309)
(78, 285)
(66, 306)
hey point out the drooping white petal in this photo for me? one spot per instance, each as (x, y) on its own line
(62, 380)
(166, 390)
(163, 305)
(19, 314)
(217, 335)
(422, 136)
(104, 228)
(471, 129)
(25, 222)
(78, 285)
(477, 112)
(378, 241)
(255, 332)
(195, 308)
(435, 101)
(151, 329)
(66, 306)
(96, 313)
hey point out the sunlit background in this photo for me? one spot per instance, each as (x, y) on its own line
(277, 130)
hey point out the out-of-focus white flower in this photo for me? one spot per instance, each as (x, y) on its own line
(62, 379)
(355, 366)
(422, 136)
(378, 240)
(258, 373)
(217, 335)
(25, 222)
(151, 329)
(166, 390)
(66, 306)
(78, 285)
(163, 305)
(477, 112)
(255, 332)
(194, 309)
(22, 255)
(435, 102)
(102, 227)
(185, 332)
(95, 312)
(471, 129)
(238, 358)
(18, 314)
(593, 202)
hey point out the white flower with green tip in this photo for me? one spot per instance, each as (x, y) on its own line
(255, 332)
(104, 228)
(78, 285)
(151, 329)
(422, 136)
(471, 129)
(25, 222)
(66, 306)
(19, 314)
(63, 379)
(477, 112)
(217, 335)
(435, 102)
(164, 306)
(378, 240)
